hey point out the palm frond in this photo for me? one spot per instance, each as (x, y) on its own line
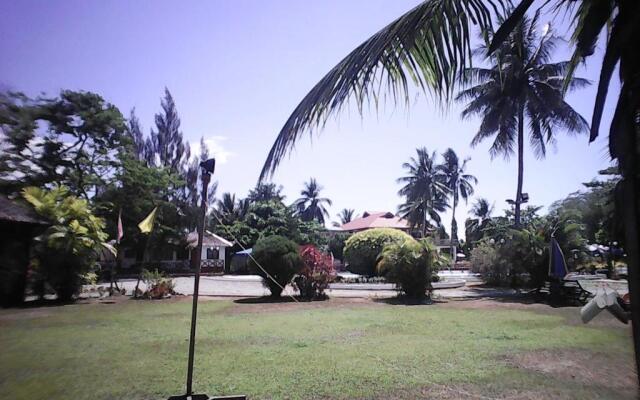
(428, 46)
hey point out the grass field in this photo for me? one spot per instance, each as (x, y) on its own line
(338, 349)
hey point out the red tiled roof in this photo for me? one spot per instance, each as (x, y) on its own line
(376, 220)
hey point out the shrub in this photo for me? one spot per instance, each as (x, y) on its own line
(408, 265)
(159, 286)
(316, 273)
(336, 245)
(280, 259)
(484, 260)
(362, 249)
(68, 248)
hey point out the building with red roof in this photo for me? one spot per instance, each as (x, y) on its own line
(371, 220)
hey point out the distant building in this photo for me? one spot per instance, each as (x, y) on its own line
(382, 219)
(370, 220)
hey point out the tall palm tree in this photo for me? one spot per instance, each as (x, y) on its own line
(459, 183)
(429, 46)
(311, 206)
(346, 215)
(425, 191)
(521, 86)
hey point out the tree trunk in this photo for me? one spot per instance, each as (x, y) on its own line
(518, 199)
(454, 232)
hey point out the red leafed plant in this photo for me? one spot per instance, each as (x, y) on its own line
(316, 274)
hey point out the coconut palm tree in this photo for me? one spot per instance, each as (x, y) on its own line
(346, 215)
(429, 47)
(230, 210)
(459, 183)
(311, 206)
(425, 190)
(521, 86)
(482, 209)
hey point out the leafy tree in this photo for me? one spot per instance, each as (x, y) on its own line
(136, 189)
(521, 86)
(336, 245)
(280, 260)
(266, 192)
(459, 183)
(70, 246)
(425, 191)
(72, 139)
(474, 227)
(311, 206)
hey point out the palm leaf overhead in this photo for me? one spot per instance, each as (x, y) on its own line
(427, 47)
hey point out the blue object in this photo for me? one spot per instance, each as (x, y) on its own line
(557, 265)
(244, 252)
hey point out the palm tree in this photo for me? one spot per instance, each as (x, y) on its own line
(425, 190)
(482, 209)
(311, 206)
(429, 46)
(346, 215)
(230, 210)
(459, 184)
(522, 85)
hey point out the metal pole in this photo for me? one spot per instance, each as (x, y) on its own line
(206, 177)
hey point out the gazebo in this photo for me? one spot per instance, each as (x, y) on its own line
(18, 225)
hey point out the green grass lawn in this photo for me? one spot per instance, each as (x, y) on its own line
(335, 350)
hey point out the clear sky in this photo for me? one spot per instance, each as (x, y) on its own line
(238, 68)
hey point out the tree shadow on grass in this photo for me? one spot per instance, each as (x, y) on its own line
(281, 299)
(405, 301)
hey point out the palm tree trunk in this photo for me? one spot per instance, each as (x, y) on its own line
(628, 198)
(520, 165)
(454, 232)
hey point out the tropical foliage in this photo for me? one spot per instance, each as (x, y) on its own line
(277, 260)
(522, 86)
(425, 191)
(408, 264)
(458, 182)
(311, 206)
(316, 273)
(362, 249)
(70, 247)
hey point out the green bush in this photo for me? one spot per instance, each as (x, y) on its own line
(68, 248)
(484, 260)
(280, 258)
(408, 265)
(362, 249)
(336, 245)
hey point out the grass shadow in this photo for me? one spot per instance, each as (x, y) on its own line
(405, 301)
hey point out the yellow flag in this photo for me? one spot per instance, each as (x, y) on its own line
(147, 224)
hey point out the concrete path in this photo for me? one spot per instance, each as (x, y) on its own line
(251, 286)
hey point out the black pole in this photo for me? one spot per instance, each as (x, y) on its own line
(206, 177)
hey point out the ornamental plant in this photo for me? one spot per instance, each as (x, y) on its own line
(316, 274)
(408, 265)
(277, 260)
(362, 249)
